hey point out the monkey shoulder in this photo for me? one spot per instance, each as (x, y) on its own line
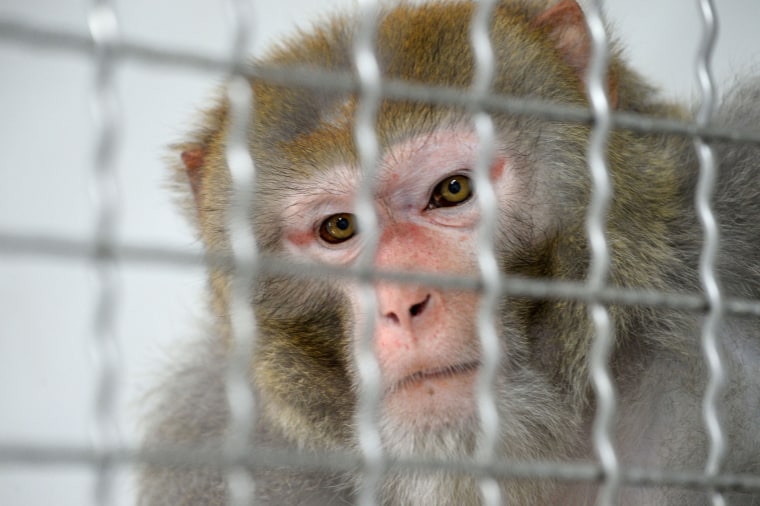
(737, 198)
(185, 410)
(189, 411)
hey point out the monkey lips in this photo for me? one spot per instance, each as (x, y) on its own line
(435, 396)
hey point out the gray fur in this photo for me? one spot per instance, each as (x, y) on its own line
(543, 391)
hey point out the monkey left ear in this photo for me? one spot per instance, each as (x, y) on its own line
(566, 26)
(193, 157)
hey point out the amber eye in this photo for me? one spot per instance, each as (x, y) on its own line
(451, 191)
(338, 228)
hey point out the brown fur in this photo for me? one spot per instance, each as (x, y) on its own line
(302, 369)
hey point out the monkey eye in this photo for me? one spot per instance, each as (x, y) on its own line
(338, 228)
(452, 191)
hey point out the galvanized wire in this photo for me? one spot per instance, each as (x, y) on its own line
(52, 39)
(596, 223)
(109, 50)
(489, 269)
(104, 30)
(244, 254)
(710, 248)
(368, 72)
(13, 243)
(44, 454)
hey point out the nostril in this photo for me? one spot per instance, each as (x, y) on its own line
(419, 307)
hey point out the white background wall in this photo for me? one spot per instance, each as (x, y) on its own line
(46, 155)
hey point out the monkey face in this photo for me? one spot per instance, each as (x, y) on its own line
(428, 210)
(425, 337)
(313, 330)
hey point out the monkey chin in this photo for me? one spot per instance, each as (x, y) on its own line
(435, 399)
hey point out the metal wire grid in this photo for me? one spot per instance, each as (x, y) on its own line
(489, 269)
(244, 253)
(109, 50)
(601, 197)
(104, 31)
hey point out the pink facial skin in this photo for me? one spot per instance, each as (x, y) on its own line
(425, 338)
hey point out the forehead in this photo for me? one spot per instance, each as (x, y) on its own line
(401, 130)
(398, 162)
(401, 151)
(301, 130)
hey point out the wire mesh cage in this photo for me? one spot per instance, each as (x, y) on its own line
(88, 235)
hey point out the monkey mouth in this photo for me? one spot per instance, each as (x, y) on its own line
(433, 374)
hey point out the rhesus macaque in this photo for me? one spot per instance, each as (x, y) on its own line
(303, 369)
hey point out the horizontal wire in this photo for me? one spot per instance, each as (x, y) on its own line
(192, 457)
(43, 245)
(16, 30)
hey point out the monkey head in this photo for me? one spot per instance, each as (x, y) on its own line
(427, 207)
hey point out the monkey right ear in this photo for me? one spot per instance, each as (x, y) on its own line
(193, 157)
(566, 26)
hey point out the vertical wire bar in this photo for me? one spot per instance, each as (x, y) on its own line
(596, 224)
(489, 268)
(103, 25)
(711, 244)
(368, 72)
(244, 253)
